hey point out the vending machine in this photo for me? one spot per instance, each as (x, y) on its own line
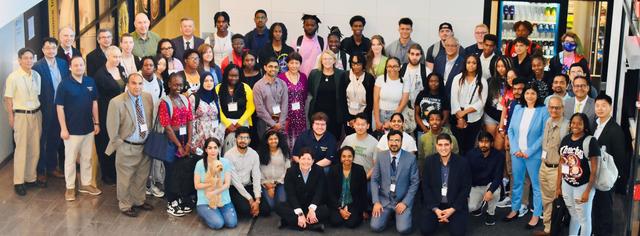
(543, 15)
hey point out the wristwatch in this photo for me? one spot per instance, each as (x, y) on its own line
(300, 214)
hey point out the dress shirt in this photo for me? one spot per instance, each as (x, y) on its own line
(600, 126)
(56, 76)
(135, 136)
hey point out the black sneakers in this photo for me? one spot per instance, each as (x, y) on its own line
(20, 189)
(490, 220)
(477, 212)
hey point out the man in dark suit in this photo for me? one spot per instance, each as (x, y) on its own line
(394, 183)
(187, 40)
(449, 64)
(609, 135)
(52, 70)
(446, 185)
(97, 58)
(66, 50)
(304, 185)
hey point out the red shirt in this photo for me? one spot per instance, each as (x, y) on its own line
(181, 115)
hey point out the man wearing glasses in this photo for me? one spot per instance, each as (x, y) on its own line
(449, 64)
(97, 57)
(271, 98)
(581, 102)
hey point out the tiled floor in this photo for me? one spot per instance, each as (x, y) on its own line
(45, 212)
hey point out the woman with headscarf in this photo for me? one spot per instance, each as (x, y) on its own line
(206, 113)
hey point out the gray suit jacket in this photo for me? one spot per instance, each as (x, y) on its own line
(121, 119)
(589, 108)
(406, 184)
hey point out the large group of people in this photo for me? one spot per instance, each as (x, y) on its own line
(331, 131)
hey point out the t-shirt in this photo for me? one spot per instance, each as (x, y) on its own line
(365, 150)
(430, 102)
(390, 92)
(413, 78)
(77, 99)
(199, 170)
(576, 170)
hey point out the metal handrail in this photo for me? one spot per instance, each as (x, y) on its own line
(99, 18)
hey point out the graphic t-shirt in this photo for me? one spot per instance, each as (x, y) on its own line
(576, 170)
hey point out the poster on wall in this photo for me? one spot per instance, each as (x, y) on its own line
(123, 18)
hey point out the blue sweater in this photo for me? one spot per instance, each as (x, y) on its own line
(486, 170)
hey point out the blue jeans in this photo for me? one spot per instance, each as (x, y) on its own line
(403, 222)
(580, 212)
(280, 196)
(532, 167)
(216, 218)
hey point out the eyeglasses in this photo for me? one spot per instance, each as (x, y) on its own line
(580, 86)
(244, 137)
(393, 67)
(555, 107)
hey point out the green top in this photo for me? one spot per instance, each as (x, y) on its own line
(346, 198)
(145, 47)
(379, 68)
(428, 143)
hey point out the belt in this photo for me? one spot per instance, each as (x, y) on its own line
(132, 143)
(551, 165)
(27, 111)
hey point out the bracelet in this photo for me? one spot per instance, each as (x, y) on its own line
(96, 123)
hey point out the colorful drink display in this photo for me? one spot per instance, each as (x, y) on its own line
(543, 17)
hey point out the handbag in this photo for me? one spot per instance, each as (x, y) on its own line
(558, 215)
(157, 144)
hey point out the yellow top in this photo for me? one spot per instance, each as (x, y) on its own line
(246, 117)
(24, 89)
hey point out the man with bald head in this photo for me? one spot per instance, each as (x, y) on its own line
(67, 37)
(129, 118)
(145, 41)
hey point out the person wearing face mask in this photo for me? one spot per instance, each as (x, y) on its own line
(571, 53)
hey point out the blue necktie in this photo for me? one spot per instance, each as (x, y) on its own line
(393, 166)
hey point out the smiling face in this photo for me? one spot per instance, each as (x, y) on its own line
(396, 123)
(405, 31)
(135, 85)
(273, 141)
(104, 39)
(166, 49)
(333, 43)
(293, 65)
(530, 96)
(603, 109)
(243, 140)
(484, 145)
(346, 157)
(395, 143)
(234, 76)
(443, 147)
(305, 161)
(580, 88)
(577, 126)
(555, 108)
(186, 27)
(361, 126)
(272, 69)
(319, 127)
(221, 24)
(126, 45)
(212, 149)
(77, 65)
(376, 46)
(310, 26)
(207, 83)
(559, 85)
(357, 27)
(49, 50)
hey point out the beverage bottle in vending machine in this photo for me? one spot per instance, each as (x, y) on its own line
(505, 12)
(512, 11)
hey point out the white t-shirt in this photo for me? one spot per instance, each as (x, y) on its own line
(221, 47)
(525, 124)
(408, 143)
(486, 64)
(391, 92)
(413, 78)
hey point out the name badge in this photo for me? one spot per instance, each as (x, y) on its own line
(392, 188)
(565, 169)
(232, 106)
(444, 191)
(276, 109)
(143, 128)
(183, 130)
(295, 106)
(544, 154)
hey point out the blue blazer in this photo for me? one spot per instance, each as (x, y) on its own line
(407, 179)
(47, 92)
(440, 64)
(536, 131)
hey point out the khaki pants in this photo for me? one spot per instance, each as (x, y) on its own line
(548, 177)
(477, 194)
(132, 170)
(78, 147)
(26, 133)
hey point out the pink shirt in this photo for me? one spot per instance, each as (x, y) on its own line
(309, 50)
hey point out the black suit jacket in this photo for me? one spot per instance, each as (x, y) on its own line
(107, 89)
(615, 142)
(178, 42)
(458, 185)
(301, 194)
(74, 52)
(95, 60)
(358, 187)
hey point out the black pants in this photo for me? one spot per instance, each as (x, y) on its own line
(352, 222)
(242, 204)
(602, 213)
(467, 136)
(107, 162)
(457, 222)
(285, 211)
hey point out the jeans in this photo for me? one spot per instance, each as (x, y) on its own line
(403, 221)
(580, 212)
(279, 197)
(532, 167)
(216, 218)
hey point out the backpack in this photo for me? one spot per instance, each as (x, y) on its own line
(299, 42)
(161, 87)
(423, 77)
(607, 172)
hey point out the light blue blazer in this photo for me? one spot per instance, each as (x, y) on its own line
(536, 131)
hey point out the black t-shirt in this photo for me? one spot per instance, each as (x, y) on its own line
(576, 170)
(430, 102)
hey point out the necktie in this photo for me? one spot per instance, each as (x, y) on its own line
(393, 166)
(188, 47)
(140, 118)
(68, 56)
(578, 106)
